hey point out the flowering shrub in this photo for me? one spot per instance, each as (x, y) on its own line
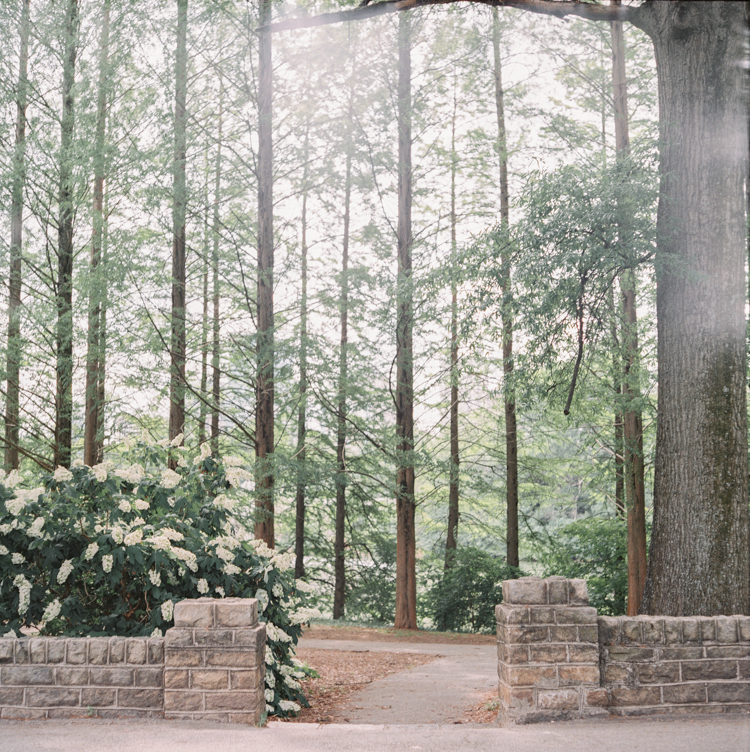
(109, 550)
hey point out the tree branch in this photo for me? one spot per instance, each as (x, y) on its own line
(558, 8)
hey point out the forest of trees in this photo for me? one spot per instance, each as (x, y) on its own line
(464, 286)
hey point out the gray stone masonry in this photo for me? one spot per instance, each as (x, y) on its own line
(208, 667)
(548, 651)
(58, 677)
(655, 664)
(214, 661)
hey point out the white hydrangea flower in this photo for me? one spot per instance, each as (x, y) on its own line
(304, 587)
(65, 569)
(62, 474)
(35, 529)
(224, 553)
(52, 611)
(224, 501)
(171, 500)
(303, 615)
(278, 590)
(202, 586)
(6, 528)
(167, 610)
(117, 535)
(276, 634)
(284, 561)
(188, 557)
(100, 472)
(177, 440)
(270, 679)
(155, 577)
(90, 552)
(124, 506)
(270, 660)
(169, 478)
(157, 633)
(3, 550)
(291, 682)
(132, 474)
(141, 504)
(159, 542)
(288, 706)
(77, 462)
(237, 476)
(261, 548)
(269, 708)
(14, 506)
(262, 598)
(16, 558)
(163, 443)
(220, 590)
(168, 532)
(134, 537)
(183, 462)
(107, 561)
(24, 593)
(232, 569)
(232, 461)
(13, 479)
(269, 695)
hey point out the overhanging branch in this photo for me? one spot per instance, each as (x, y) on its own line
(558, 8)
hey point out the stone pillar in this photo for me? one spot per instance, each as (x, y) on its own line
(214, 661)
(548, 652)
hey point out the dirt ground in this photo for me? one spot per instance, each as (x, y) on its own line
(340, 673)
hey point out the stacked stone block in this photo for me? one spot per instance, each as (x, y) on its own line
(55, 677)
(214, 661)
(655, 664)
(548, 651)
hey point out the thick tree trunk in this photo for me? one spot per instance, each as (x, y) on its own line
(264, 428)
(64, 293)
(93, 441)
(179, 214)
(451, 540)
(699, 558)
(339, 594)
(632, 431)
(511, 435)
(13, 356)
(406, 579)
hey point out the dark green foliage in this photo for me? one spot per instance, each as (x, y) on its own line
(464, 599)
(595, 550)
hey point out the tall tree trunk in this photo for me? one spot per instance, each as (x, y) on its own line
(93, 442)
(511, 435)
(453, 510)
(264, 429)
(203, 388)
(617, 391)
(635, 485)
(13, 357)
(699, 562)
(179, 213)
(216, 291)
(64, 293)
(339, 594)
(406, 578)
(301, 453)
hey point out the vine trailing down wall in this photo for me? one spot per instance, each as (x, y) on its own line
(558, 659)
(109, 551)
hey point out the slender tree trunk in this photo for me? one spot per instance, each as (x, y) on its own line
(617, 391)
(264, 428)
(216, 291)
(13, 358)
(64, 293)
(301, 453)
(93, 444)
(453, 509)
(202, 390)
(699, 562)
(179, 214)
(406, 579)
(511, 435)
(339, 595)
(635, 485)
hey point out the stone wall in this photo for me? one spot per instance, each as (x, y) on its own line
(209, 666)
(557, 659)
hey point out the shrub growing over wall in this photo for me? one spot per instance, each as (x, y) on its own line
(108, 551)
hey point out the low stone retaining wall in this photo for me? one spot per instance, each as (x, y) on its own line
(558, 659)
(209, 666)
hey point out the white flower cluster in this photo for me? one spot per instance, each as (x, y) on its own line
(90, 552)
(303, 615)
(202, 586)
(276, 634)
(133, 474)
(65, 569)
(224, 501)
(237, 476)
(124, 506)
(173, 535)
(134, 537)
(12, 479)
(304, 587)
(177, 440)
(169, 478)
(262, 598)
(232, 461)
(24, 593)
(224, 553)
(3, 550)
(278, 590)
(141, 504)
(17, 558)
(159, 542)
(52, 611)
(205, 450)
(14, 506)
(100, 472)
(167, 610)
(62, 474)
(231, 569)
(288, 706)
(155, 577)
(269, 693)
(35, 529)
(107, 561)
(284, 561)
(117, 534)
(188, 557)
(270, 679)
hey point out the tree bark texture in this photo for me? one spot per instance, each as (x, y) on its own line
(339, 593)
(64, 292)
(511, 433)
(93, 441)
(699, 560)
(406, 580)
(13, 356)
(179, 215)
(264, 429)
(451, 540)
